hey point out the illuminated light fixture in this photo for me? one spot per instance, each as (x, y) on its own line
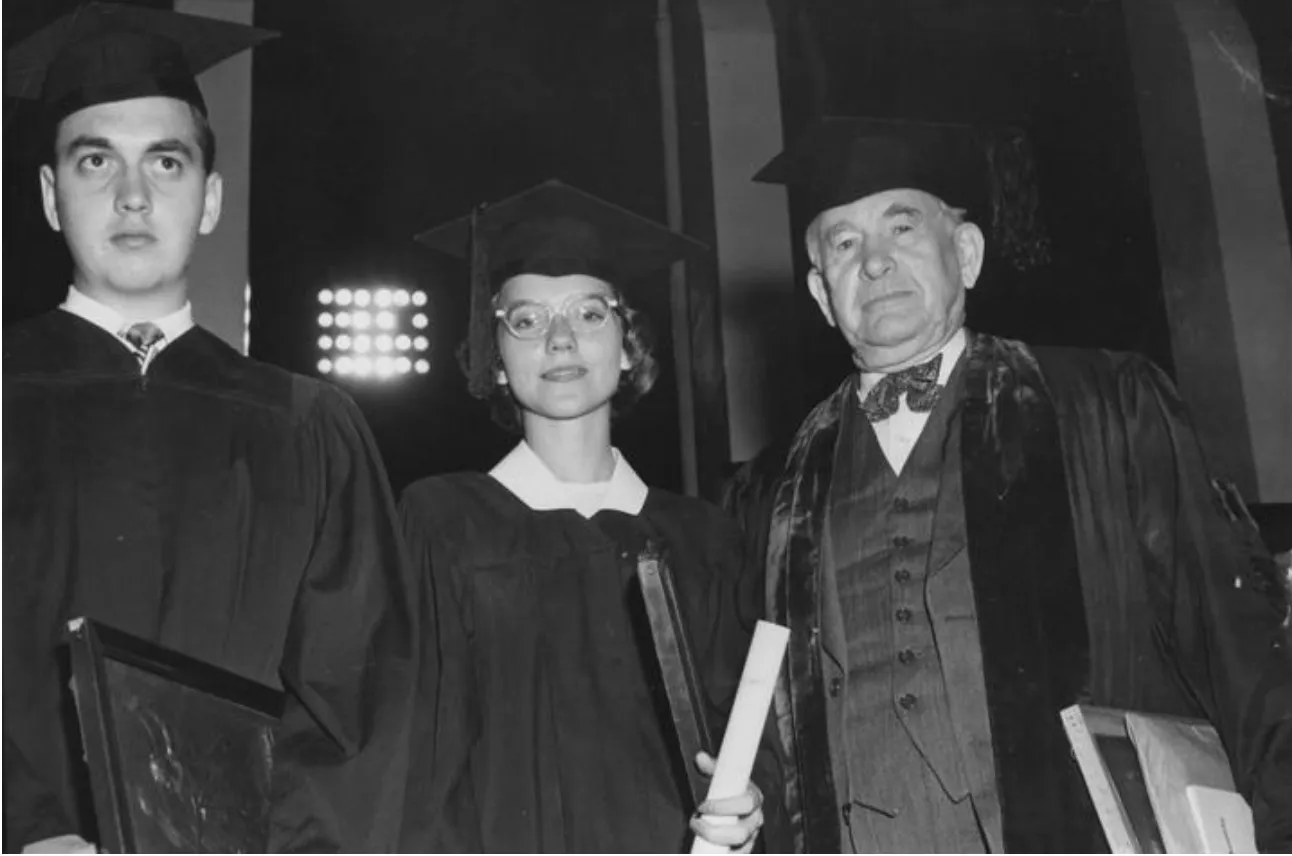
(370, 333)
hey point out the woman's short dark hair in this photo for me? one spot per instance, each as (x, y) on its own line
(634, 382)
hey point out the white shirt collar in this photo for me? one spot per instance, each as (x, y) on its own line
(524, 474)
(106, 318)
(950, 352)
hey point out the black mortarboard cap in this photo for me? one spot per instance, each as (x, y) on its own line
(552, 229)
(103, 52)
(989, 172)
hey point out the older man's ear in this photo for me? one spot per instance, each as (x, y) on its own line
(970, 246)
(821, 293)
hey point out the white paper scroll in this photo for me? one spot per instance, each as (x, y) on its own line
(748, 716)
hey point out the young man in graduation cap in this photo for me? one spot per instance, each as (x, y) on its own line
(546, 728)
(971, 534)
(160, 482)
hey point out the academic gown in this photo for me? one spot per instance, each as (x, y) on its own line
(1105, 567)
(228, 510)
(550, 730)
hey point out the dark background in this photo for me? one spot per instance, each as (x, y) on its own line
(374, 120)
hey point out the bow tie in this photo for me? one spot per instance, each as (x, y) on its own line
(919, 383)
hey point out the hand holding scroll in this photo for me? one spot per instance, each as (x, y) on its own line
(731, 823)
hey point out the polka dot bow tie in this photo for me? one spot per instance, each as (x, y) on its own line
(919, 383)
(142, 338)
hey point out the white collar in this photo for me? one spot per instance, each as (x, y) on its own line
(524, 474)
(110, 320)
(950, 352)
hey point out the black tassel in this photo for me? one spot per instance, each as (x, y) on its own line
(480, 369)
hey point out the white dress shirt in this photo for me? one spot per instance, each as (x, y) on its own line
(524, 474)
(106, 318)
(898, 434)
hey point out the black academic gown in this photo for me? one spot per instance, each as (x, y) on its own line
(1106, 569)
(225, 509)
(545, 728)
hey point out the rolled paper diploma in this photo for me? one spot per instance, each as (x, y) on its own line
(748, 716)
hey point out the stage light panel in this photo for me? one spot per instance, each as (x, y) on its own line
(366, 333)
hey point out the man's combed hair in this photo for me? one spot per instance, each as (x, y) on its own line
(201, 126)
(635, 382)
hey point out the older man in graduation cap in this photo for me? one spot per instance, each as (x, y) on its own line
(971, 534)
(160, 482)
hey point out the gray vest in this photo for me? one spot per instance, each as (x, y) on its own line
(903, 759)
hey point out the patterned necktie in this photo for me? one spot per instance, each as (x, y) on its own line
(920, 383)
(142, 338)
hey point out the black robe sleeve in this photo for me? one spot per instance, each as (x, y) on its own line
(440, 814)
(349, 663)
(726, 627)
(1220, 612)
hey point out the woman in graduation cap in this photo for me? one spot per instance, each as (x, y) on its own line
(549, 731)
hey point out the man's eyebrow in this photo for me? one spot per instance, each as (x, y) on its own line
(84, 141)
(900, 209)
(172, 145)
(837, 228)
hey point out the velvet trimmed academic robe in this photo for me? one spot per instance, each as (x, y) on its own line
(222, 508)
(545, 727)
(1104, 570)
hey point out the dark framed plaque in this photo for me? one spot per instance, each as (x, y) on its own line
(180, 752)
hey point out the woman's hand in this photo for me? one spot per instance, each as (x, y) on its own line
(733, 822)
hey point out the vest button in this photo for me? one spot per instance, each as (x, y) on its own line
(901, 541)
(906, 656)
(907, 701)
(902, 575)
(835, 686)
(902, 504)
(903, 615)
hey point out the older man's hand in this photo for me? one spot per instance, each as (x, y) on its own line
(732, 822)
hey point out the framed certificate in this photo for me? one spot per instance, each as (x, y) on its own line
(180, 752)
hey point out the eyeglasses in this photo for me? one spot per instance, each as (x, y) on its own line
(584, 312)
